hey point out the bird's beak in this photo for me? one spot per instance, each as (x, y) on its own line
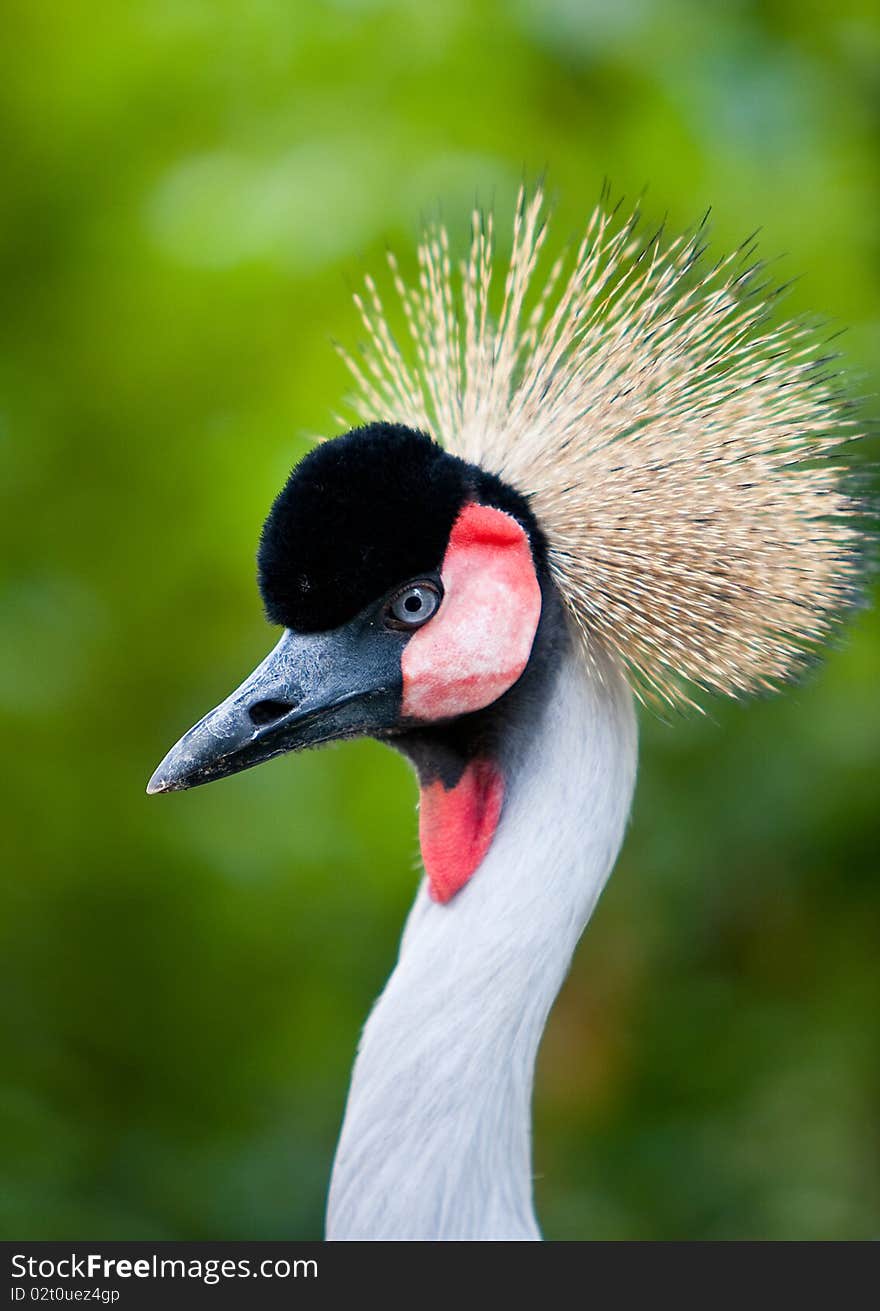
(311, 688)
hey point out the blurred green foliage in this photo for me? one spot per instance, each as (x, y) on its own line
(189, 188)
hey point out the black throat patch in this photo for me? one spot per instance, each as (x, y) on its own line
(362, 514)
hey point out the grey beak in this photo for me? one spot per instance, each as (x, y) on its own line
(312, 688)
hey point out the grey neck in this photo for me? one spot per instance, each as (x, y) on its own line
(436, 1141)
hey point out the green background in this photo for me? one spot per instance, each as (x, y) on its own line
(189, 188)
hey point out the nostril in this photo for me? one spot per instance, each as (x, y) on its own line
(266, 712)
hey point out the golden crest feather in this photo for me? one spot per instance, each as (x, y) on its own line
(676, 448)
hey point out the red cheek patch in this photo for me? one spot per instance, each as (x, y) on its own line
(481, 638)
(456, 826)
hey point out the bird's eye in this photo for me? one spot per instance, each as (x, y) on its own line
(412, 606)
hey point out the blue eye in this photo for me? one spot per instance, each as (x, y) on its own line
(412, 606)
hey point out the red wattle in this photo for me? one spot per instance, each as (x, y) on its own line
(456, 826)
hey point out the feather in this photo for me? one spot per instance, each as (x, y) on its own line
(683, 454)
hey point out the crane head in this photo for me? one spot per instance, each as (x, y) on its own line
(684, 460)
(408, 584)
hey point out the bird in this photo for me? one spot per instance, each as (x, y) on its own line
(564, 488)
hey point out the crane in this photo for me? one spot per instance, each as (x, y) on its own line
(625, 484)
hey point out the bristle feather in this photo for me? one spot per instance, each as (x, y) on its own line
(673, 443)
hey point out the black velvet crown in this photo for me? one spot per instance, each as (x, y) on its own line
(364, 513)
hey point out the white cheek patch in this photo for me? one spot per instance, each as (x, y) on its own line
(481, 638)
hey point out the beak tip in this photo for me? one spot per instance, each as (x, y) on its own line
(167, 778)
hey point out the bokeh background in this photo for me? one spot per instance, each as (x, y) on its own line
(190, 187)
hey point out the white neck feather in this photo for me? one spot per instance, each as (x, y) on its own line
(436, 1142)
